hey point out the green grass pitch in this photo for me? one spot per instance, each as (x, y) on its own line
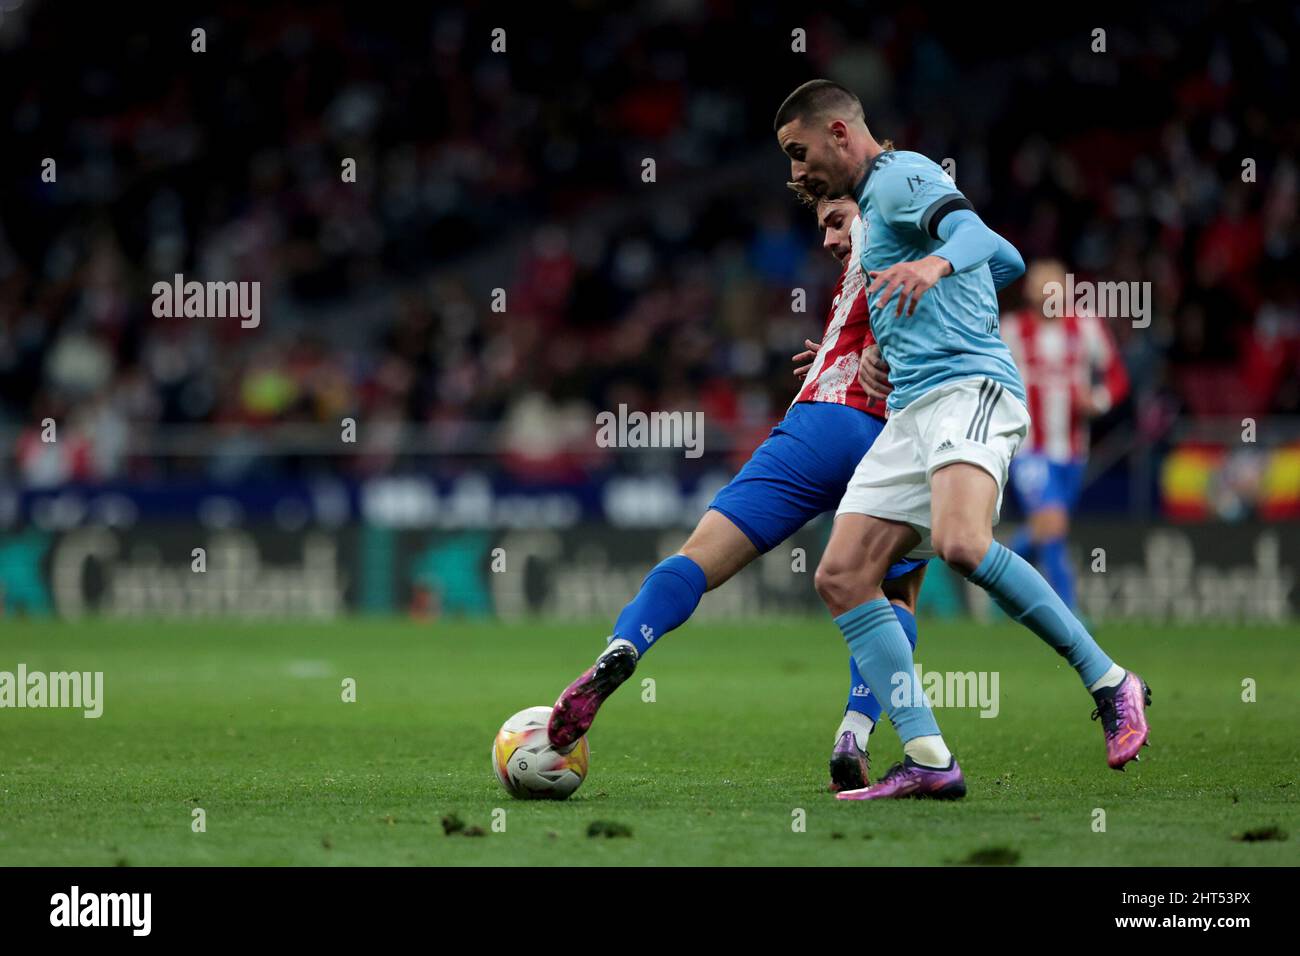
(247, 722)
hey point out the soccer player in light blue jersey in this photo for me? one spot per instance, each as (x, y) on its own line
(932, 483)
(801, 471)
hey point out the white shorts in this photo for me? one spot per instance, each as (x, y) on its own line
(974, 420)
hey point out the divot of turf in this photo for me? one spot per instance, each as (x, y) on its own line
(1261, 834)
(992, 856)
(608, 828)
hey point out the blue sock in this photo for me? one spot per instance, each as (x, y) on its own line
(1056, 568)
(1023, 544)
(879, 646)
(1021, 591)
(860, 697)
(668, 597)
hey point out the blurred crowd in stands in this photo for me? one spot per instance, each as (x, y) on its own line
(1171, 157)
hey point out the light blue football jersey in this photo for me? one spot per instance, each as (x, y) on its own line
(953, 334)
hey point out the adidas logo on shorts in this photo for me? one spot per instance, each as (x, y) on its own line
(945, 445)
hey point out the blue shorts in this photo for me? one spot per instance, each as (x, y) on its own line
(800, 471)
(1042, 483)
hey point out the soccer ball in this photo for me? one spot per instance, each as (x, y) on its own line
(526, 764)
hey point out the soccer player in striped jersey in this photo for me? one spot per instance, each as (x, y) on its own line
(1072, 373)
(932, 482)
(798, 473)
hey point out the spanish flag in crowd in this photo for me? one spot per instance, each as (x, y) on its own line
(1192, 472)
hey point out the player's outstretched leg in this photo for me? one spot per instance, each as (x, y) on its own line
(848, 580)
(668, 596)
(964, 497)
(716, 550)
(850, 764)
(1121, 696)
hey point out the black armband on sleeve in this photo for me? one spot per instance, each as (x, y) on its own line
(941, 207)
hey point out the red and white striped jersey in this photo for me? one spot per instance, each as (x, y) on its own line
(834, 373)
(1067, 364)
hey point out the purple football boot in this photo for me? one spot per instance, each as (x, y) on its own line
(577, 706)
(1122, 711)
(910, 779)
(850, 765)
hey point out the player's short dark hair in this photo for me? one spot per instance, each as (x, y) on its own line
(816, 97)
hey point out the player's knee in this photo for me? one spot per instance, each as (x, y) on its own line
(834, 584)
(703, 558)
(962, 549)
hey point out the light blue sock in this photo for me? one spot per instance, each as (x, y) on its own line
(669, 595)
(860, 697)
(884, 659)
(1026, 597)
(1055, 562)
